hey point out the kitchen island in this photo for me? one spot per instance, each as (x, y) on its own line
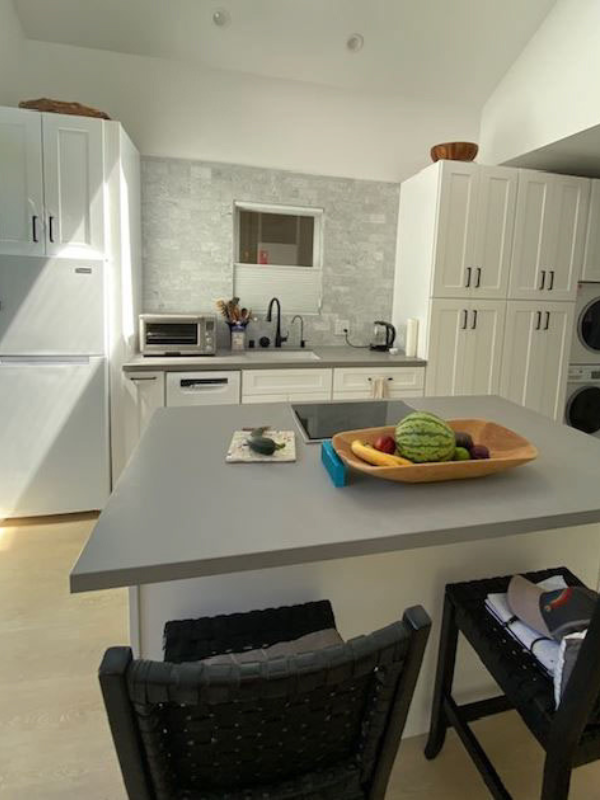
(193, 535)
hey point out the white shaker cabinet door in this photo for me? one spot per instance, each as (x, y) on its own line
(455, 244)
(74, 186)
(563, 261)
(532, 234)
(538, 338)
(484, 340)
(145, 394)
(591, 258)
(556, 333)
(21, 192)
(446, 353)
(496, 203)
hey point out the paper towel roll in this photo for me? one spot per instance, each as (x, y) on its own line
(412, 337)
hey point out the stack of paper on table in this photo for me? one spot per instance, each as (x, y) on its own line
(240, 453)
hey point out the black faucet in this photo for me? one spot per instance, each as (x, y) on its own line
(279, 339)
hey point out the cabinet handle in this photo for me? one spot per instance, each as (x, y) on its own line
(34, 220)
(478, 282)
(469, 275)
(547, 325)
(150, 378)
(51, 228)
(539, 321)
(543, 280)
(465, 319)
(551, 280)
(475, 315)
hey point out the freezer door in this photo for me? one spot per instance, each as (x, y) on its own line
(51, 307)
(54, 436)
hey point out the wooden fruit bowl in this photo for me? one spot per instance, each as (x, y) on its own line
(454, 151)
(507, 450)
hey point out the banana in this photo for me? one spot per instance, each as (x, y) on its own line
(368, 453)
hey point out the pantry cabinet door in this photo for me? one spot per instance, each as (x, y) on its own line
(484, 340)
(21, 192)
(536, 356)
(74, 186)
(564, 240)
(446, 354)
(556, 333)
(591, 257)
(496, 205)
(532, 233)
(455, 241)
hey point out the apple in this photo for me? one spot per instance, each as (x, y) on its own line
(385, 444)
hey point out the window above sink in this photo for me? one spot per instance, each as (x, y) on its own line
(278, 251)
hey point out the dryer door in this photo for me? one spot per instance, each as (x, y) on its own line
(583, 409)
(589, 327)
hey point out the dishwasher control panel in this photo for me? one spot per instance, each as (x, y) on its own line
(203, 388)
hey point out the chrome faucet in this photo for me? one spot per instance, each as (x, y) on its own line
(279, 339)
(294, 318)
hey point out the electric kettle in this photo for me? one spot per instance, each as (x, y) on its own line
(384, 336)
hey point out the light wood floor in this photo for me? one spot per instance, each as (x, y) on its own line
(54, 740)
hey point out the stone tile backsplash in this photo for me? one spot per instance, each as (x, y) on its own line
(188, 242)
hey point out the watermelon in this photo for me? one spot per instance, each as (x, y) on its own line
(423, 437)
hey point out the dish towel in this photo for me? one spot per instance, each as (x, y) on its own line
(380, 388)
(556, 659)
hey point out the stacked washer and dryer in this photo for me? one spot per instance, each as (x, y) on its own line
(583, 388)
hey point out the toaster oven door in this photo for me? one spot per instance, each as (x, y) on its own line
(161, 336)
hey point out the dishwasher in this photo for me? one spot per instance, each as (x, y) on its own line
(203, 388)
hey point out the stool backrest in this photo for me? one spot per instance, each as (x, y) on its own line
(196, 727)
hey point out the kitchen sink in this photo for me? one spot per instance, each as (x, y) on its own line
(282, 355)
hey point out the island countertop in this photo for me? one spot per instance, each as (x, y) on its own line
(180, 511)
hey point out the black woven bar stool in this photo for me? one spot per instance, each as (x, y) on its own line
(321, 725)
(570, 735)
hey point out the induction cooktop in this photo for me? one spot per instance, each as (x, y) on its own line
(320, 421)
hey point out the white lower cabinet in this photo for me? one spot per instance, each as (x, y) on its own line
(365, 383)
(145, 393)
(286, 385)
(465, 347)
(537, 345)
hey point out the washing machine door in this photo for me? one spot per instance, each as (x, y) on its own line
(583, 409)
(589, 327)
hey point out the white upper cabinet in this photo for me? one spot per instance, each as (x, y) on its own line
(475, 230)
(496, 203)
(551, 217)
(21, 192)
(538, 339)
(591, 257)
(73, 181)
(455, 241)
(51, 185)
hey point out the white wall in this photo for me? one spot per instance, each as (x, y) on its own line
(11, 40)
(174, 109)
(552, 90)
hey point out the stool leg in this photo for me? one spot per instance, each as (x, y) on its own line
(443, 681)
(557, 779)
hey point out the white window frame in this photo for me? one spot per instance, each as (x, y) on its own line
(286, 273)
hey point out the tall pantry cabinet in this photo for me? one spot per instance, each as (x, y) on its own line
(488, 261)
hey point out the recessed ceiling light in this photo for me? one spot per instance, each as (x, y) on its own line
(355, 43)
(221, 18)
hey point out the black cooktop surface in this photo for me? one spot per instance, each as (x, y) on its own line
(322, 420)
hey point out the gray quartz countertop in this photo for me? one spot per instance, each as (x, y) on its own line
(274, 359)
(180, 511)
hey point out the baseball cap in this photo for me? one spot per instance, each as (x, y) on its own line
(554, 613)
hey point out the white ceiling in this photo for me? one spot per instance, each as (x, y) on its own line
(446, 50)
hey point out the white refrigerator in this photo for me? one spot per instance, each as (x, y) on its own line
(54, 436)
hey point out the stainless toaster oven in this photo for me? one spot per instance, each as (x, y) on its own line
(178, 334)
